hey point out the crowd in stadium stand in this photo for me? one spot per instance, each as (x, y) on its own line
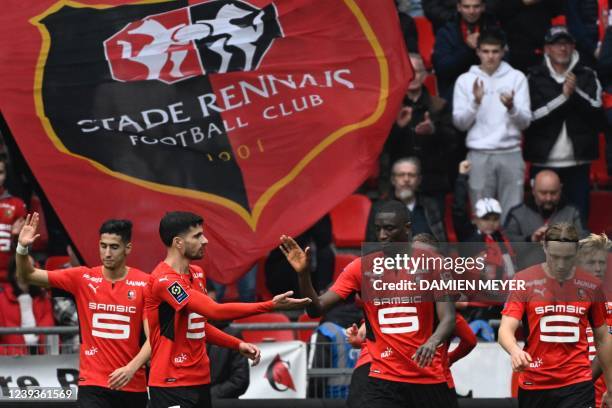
(505, 129)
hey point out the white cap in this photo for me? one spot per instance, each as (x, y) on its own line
(486, 206)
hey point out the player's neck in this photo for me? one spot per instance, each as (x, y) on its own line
(116, 274)
(177, 262)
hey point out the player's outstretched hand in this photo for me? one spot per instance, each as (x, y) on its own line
(285, 302)
(425, 354)
(520, 360)
(120, 377)
(298, 259)
(251, 352)
(28, 234)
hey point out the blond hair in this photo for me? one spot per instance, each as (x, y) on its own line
(593, 243)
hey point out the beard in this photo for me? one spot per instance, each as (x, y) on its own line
(194, 255)
(404, 194)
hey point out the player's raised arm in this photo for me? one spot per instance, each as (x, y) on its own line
(299, 260)
(27, 236)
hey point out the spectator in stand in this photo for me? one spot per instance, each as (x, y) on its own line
(405, 181)
(567, 117)
(485, 228)
(423, 129)
(582, 23)
(456, 41)
(528, 222)
(525, 22)
(12, 213)
(229, 370)
(23, 305)
(605, 74)
(491, 103)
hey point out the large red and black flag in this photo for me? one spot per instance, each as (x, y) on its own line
(260, 115)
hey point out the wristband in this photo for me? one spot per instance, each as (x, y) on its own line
(21, 250)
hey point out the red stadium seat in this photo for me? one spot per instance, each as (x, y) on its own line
(431, 83)
(258, 336)
(600, 216)
(349, 220)
(304, 335)
(599, 167)
(57, 262)
(559, 20)
(340, 263)
(426, 39)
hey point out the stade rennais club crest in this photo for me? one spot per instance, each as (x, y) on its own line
(260, 115)
(209, 90)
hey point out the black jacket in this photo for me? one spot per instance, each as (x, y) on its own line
(433, 150)
(452, 56)
(525, 27)
(581, 113)
(229, 371)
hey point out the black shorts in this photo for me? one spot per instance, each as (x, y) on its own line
(580, 395)
(197, 396)
(359, 382)
(391, 394)
(91, 396)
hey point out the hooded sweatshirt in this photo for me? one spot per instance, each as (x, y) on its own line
(490, 125)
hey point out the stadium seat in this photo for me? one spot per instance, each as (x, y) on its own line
(57, 262)
(600, 216)
(426, 39)
(340, 263)
(559, 20)
(304, 335)
(258, 336)
(431, 83)
(599, 167)
(349, 220)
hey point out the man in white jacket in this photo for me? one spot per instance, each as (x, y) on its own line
(491, 102)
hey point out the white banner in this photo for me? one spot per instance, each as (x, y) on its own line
(486, 372)
(43, 371)
(281, 372)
